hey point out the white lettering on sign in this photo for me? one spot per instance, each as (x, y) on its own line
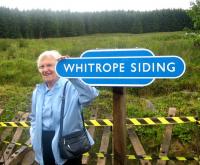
(153, 67)
(120, 67)
(94, 67)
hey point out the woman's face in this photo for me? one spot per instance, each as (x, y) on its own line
(47, 70)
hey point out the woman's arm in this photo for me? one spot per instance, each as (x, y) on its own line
(86, 92)
(33, 113)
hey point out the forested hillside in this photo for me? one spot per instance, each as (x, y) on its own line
(46, 23)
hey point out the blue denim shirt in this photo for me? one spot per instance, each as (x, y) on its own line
(78, 94)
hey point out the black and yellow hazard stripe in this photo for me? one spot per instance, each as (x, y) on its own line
(129, 121)
(17, 144)
(144, 121)
(99, 122)
(148, 157)
(161, 120)
(15, 124)
(143, 157)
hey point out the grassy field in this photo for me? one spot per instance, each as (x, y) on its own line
(18, 76)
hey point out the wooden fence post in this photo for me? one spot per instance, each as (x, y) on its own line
(119, 125)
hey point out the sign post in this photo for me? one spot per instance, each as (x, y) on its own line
(120, 68)
(119, 125)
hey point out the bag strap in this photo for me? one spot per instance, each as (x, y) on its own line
(62, 112)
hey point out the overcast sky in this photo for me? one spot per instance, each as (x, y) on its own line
(96, 5)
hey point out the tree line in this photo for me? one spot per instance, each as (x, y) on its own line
(47, 23)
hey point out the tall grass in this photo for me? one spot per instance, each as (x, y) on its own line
(16, 55)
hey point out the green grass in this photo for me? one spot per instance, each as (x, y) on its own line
(18, 76)
(18, 56)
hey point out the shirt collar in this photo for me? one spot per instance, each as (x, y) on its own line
(53, 87)
(59, 83)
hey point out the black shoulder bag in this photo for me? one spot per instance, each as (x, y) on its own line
(74, 144)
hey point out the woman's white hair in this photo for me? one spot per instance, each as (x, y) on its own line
(50, 53)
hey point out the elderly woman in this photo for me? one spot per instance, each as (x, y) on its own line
(46, 107)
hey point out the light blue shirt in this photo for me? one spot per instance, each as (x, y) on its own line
(45, 113)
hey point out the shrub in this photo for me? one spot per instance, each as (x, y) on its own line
(4, 45)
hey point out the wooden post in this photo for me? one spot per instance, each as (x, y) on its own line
(137, 145)
(119, 125)
(166, 138)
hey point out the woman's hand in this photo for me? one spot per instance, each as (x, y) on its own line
(63, 57)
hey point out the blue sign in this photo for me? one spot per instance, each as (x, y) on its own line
(121, 67)
(118, 53)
